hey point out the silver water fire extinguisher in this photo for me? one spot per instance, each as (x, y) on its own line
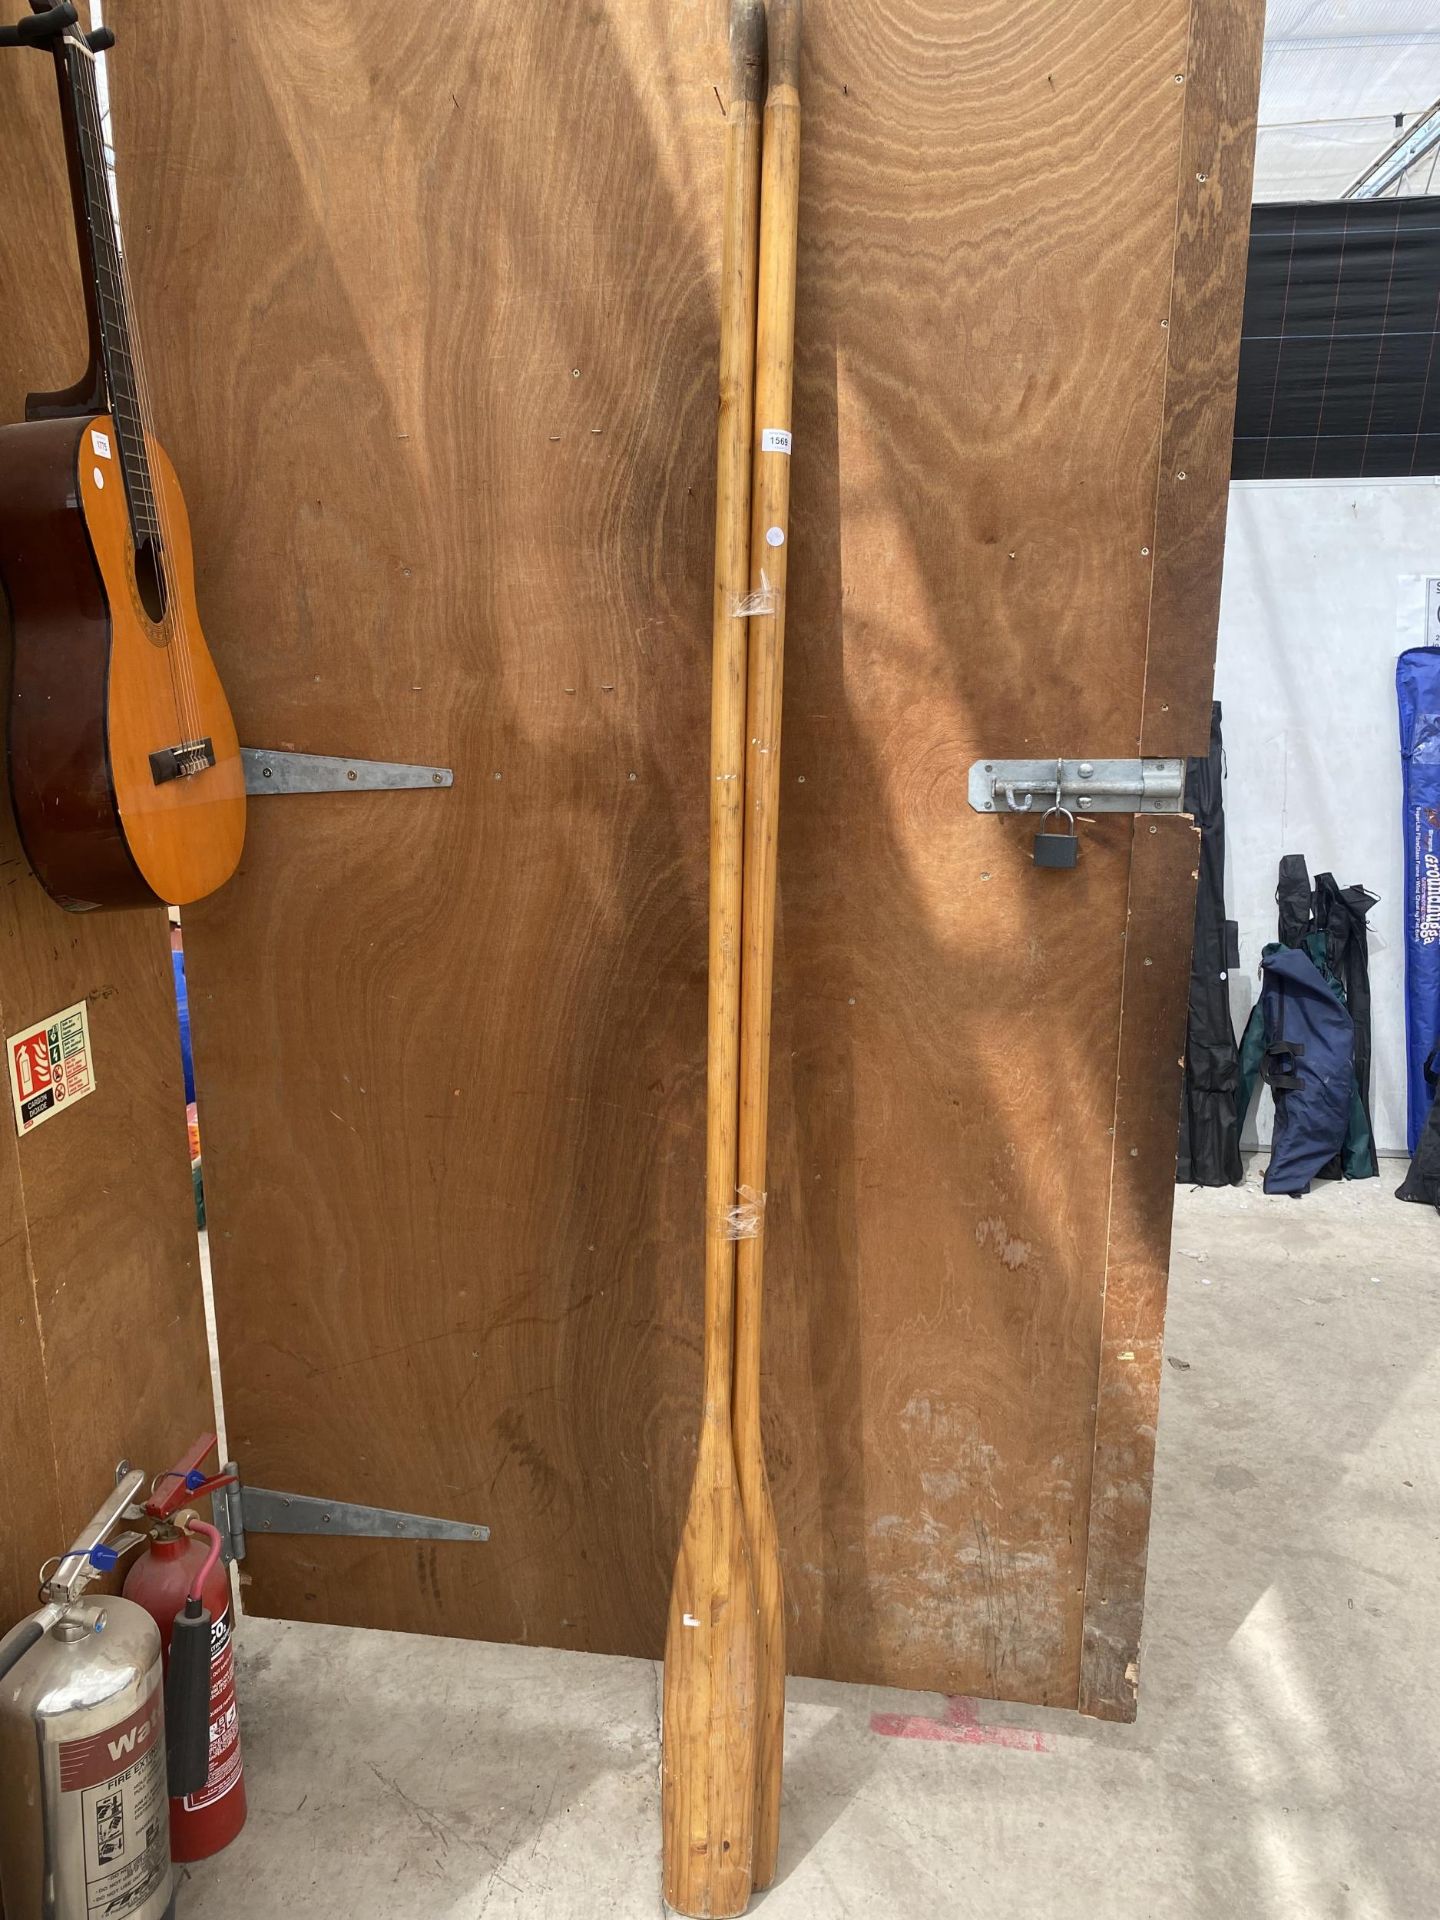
(84, 1814)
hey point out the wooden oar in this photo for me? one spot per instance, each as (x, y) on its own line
(769, 551)
(708, 1770)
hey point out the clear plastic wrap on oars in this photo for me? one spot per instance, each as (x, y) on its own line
(745, 1219)
(761, 599)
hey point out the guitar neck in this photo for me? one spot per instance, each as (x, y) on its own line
(108, 303)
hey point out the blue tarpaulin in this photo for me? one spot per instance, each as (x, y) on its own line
(1417, 686)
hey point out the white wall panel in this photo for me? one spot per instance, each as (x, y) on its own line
(1321, 592)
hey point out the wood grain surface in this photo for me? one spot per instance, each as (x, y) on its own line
(1152, 1042)
(437, 320)
(1212, 234)
(103, 1330)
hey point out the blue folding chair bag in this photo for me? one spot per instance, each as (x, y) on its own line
(1309, 1066)
(1417, 687)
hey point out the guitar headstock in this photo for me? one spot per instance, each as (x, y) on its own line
(47, 26)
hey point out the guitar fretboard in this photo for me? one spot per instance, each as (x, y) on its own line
(119, 349)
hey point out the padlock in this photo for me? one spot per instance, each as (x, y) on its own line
(1057, 849)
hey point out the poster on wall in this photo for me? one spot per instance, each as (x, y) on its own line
(50, 1067)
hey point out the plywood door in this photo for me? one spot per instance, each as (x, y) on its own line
(102, 1334)
(436, 318)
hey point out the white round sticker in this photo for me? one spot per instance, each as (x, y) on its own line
(775, 537)
(97, 476)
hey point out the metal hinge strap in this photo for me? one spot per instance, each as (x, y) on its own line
(268, 771)
(242, 1510)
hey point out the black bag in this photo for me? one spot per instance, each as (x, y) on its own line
(1293, 899)
(1209, 1154)
(1341, 914)
(1422, 1182)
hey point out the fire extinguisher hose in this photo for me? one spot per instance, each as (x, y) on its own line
(187, 1683)
(19, 1643)
(212, 1534)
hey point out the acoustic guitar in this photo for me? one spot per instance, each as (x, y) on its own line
(124, 767)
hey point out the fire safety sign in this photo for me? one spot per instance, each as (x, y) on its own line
(50, 1066)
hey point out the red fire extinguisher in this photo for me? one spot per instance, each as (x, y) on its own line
(182, 1584)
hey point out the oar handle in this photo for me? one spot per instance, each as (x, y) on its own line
(747, 50)
(785, 43)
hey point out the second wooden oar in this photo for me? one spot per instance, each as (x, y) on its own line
(708, 1736)
(769, 554)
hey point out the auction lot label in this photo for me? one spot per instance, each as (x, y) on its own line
(50, 1066)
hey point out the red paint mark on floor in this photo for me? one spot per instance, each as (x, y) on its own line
(961, 1727)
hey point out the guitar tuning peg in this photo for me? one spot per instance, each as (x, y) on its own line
(42, 26)
(100, 41)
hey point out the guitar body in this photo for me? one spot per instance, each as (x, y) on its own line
(125, 773)
(101, 684)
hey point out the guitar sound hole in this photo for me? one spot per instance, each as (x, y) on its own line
(150, 579)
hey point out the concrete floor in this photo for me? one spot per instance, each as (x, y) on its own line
(1285, 1764)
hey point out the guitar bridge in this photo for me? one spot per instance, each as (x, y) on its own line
(178, 763)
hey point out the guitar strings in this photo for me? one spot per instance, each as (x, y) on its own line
(105, 249)
(173, 623)
(173, 616)
(166, 558)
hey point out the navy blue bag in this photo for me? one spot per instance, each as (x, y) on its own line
(1309, 1064)
(1417, 686)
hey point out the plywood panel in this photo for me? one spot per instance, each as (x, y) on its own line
(104, 1338)
(1152, 1041)
(439, 320)
(1212, 235)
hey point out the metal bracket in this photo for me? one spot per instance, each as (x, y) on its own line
(1087, 786)
(241, 1510)
(275, 772)
(78, 1566)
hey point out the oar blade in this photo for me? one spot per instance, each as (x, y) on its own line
(709, 1726)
